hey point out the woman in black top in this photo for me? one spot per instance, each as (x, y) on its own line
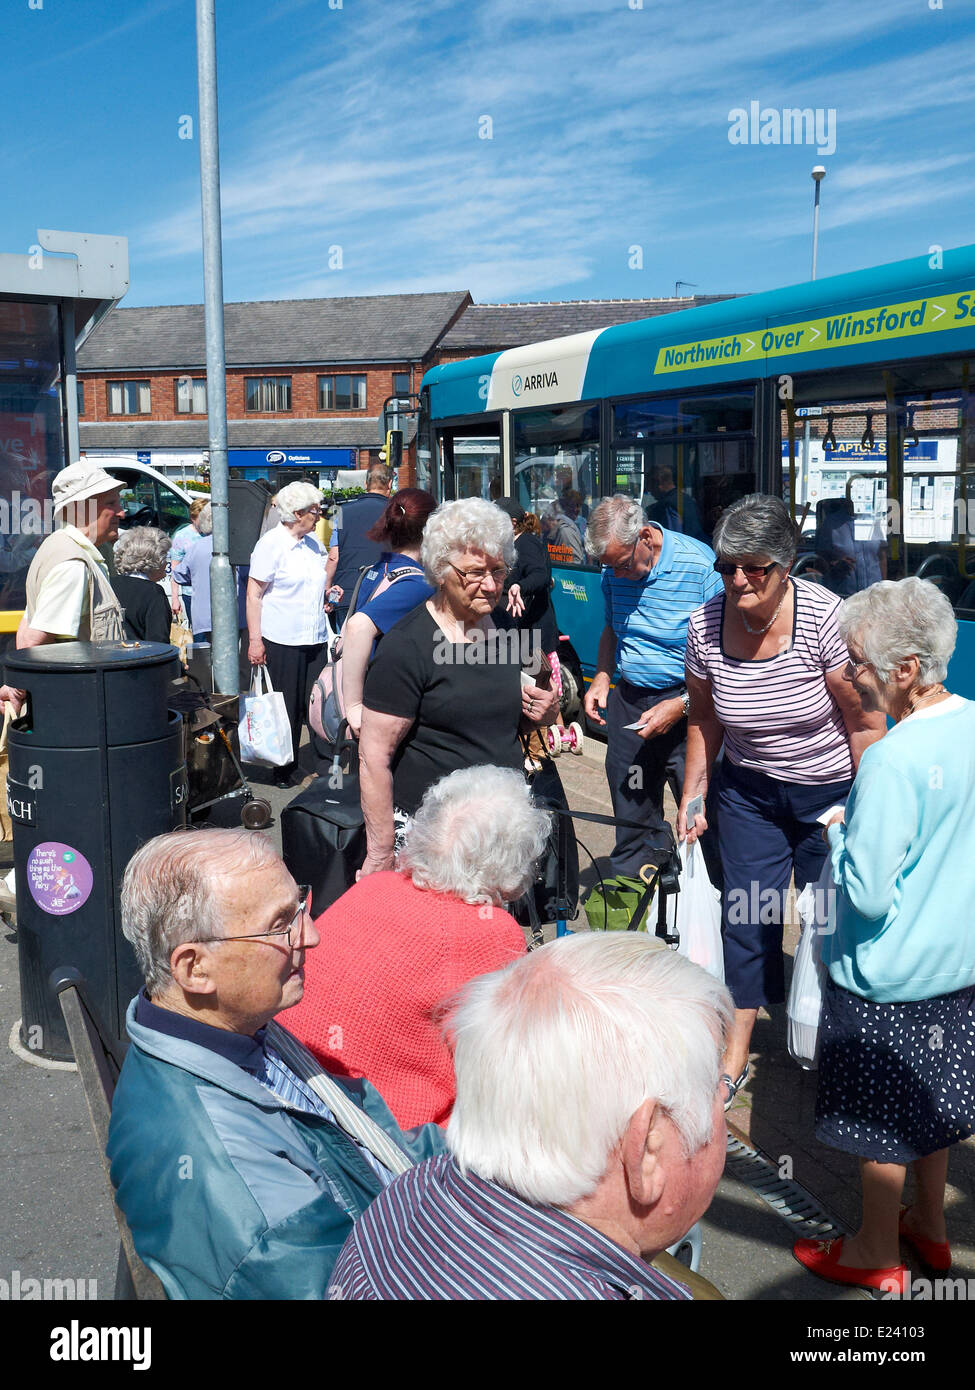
(140, 563)
(445, 689)
(532, 573)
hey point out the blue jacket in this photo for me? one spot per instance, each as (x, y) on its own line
(230, 1192)
(904, 863)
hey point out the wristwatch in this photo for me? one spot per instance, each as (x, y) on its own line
(685, 700)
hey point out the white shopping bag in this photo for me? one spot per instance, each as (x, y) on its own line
(698, 916)
(816, 909)
(265, 731)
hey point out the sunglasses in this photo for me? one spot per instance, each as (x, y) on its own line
(726, 569)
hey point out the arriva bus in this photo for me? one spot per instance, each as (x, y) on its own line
(851, 397)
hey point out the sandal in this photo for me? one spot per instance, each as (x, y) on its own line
(735, 1086)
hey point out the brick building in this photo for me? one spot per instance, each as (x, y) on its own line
(306, 379)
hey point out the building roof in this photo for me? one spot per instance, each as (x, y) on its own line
(491, 327)
(359, 329)
(333, 433)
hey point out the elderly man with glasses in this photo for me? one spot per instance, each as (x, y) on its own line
(652, 581)
(240, 1166)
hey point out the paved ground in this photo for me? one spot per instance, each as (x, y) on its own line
(56, 1220)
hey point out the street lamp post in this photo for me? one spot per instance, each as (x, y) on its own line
(818, 174)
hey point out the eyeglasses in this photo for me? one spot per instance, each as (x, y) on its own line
(473, 579)
(292, 931)
(309, 511)
(627, 568)
(853, 668)
(726, 569)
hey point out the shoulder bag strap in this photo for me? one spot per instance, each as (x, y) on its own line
(349, 1116)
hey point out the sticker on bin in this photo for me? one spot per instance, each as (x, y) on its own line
(59, 878)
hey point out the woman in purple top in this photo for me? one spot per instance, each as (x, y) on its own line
(764, 671)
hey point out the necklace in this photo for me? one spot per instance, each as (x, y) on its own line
(757, 631)
(917, 698)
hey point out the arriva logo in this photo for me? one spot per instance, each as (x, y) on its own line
(516, 385)
(276, 456)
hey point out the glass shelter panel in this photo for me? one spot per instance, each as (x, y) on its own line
(31, 437)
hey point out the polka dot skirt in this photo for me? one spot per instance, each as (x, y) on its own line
(896, 1081)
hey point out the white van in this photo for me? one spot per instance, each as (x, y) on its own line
(150, 498)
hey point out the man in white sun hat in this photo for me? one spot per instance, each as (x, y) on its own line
(69, 594)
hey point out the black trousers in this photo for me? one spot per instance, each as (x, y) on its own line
(290, 671)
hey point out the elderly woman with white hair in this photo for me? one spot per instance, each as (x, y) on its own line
(445, 689)
(286, 622)
(896, 1078)
(397, 944)
(140, 564)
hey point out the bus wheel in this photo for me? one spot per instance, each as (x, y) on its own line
(571, 702)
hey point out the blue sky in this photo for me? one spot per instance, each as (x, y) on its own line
(361, 127)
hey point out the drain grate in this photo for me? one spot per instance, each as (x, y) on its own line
(789, 1200)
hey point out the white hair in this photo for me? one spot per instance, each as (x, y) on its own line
(617, 518)
(899, 618)
(554, 1054)
(141, 550)
(295, 498)
(168, 892)
(476, 836)
(467, 524)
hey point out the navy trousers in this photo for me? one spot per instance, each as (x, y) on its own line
(767, 830)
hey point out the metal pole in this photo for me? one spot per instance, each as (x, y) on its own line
(818, 174)
(223, 595)
(70, 384)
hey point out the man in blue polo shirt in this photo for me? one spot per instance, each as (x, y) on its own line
(351, 548)
(652, 581)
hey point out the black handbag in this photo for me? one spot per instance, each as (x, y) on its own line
(554, 895)
(323, 833)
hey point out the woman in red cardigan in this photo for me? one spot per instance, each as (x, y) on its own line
(396, 945)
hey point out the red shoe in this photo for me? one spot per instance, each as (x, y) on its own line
(820, 1257)
(935, 1254)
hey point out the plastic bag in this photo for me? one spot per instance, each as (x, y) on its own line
(816, 908)
(265, 730)
(698, 917)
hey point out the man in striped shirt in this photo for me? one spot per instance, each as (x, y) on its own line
(652, 582)
(566, 1172)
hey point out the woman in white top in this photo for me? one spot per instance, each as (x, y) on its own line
(286, 622)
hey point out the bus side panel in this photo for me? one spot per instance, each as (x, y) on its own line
(578, 602)
(961, 669)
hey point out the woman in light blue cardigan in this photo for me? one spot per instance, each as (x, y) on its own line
(897, 1065)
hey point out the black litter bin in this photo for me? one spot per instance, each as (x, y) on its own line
(96, 769)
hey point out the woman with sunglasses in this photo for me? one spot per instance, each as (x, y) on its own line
(896, 1081)
(445, 688)
(764, 671)
(286, 623)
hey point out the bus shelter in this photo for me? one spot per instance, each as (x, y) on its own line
(50, 300)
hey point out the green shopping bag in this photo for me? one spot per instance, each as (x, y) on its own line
(610, 905)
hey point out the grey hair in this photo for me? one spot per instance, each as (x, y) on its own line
(899, 618)
(617, 518)
(476, 836)
(295, 498)
(758, 524)
(168, 892)
(141, 550)
(627, 1021)
(470, 523)
(204, 522)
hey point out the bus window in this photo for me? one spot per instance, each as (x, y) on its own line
(685, 458)
(881, 484)
(556, 470)
(472, 464)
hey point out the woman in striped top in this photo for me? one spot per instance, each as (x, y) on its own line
(764, 671)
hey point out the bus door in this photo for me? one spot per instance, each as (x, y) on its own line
(469, 461)
(685, 458)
